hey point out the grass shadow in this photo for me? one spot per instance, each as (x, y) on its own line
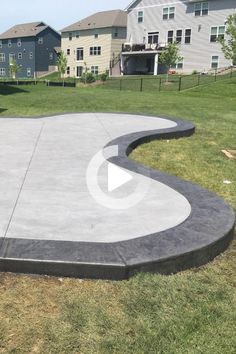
(10, 90)
(2, 110)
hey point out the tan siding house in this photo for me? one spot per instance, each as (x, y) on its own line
(95, 43)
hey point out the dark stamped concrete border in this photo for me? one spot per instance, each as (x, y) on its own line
(205, 234)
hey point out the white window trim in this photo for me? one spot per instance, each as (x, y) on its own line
(19, 55)
(29, 72)
(92, 69)
(217, 32)
(2, 72)
(140, 16)
(3, 55)
(201, 3)
(218, 62)
(19, 42)
(168, 13)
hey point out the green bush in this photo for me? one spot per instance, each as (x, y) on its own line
(104, 76)
(88, 78)
(195, 72)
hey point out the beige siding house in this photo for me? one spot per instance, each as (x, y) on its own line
(95, 43)
(195, 25)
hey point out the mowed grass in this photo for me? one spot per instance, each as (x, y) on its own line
(191, 312)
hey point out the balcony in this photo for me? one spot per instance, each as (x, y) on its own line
(144, 47)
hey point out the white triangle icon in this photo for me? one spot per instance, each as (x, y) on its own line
(117, 177)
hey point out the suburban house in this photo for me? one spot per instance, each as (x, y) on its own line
(195, 25)
(34, 46)
(95, 43)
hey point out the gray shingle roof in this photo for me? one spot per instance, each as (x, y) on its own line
(113, 18)
(24, 30)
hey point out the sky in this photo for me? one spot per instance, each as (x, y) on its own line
(56, 13)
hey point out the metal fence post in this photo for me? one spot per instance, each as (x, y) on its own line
(120, 84)
(141, 84)
(215, 74)
(231, 72)
(160, 84)
(198, 80)
(180, 82)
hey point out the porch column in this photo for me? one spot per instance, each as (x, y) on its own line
(122, 64)
(156, 64)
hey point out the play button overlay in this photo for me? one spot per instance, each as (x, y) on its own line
(117, 177)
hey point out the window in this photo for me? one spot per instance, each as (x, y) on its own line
(68, 52)
(28, 72)
(217, 33)
(51, 56)
(179, 34)
(9, 43)
(201, 9)
(68, 70)
(153, 37)
(70, 36)
(94, 70)
(168, 13)
(80, 54)
(31, 55)
(2, 72)
(77, 35)
(96, 35)
(79, 71)
(0, 43)
(170, 37)
(214, 62)
(19, 42)
(2, 57)
(140, 16)
(40, 40)
(95, 50)
(19, 55)
(12, 57)
(178, 65)
(188, 33)
(116, 33)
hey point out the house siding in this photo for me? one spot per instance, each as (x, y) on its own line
(110, 47)
(39, 62)
(198, 54)
(50, 41)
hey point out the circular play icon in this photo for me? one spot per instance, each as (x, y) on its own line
(111, 186)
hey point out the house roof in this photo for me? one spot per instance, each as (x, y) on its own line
(113, 18)
(24, 30)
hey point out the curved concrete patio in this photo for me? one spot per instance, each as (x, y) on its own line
(51, 224)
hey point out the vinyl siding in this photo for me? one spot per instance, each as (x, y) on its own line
(198, 54)
(86, 40)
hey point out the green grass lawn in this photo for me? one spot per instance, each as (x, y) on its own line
(191, 312)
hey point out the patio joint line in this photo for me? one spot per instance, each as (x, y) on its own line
(102, 124)
(24, 179)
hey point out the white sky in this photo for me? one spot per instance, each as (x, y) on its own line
(56, 13)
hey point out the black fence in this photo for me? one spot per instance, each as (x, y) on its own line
(170, 82)
(36, 82)
(18, 82)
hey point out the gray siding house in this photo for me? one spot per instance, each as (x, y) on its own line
(195, 25)
(34, 47)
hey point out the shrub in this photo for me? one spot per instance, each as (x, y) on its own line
(87, 78)
(104, 76)
(195, 72)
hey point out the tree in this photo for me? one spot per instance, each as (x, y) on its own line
(62, 64)
(170, 56)
(14, 68)
(229, 46)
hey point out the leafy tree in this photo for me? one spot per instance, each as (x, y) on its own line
(229, 46)
(170, 56)
(14, 68)
(62, 64)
